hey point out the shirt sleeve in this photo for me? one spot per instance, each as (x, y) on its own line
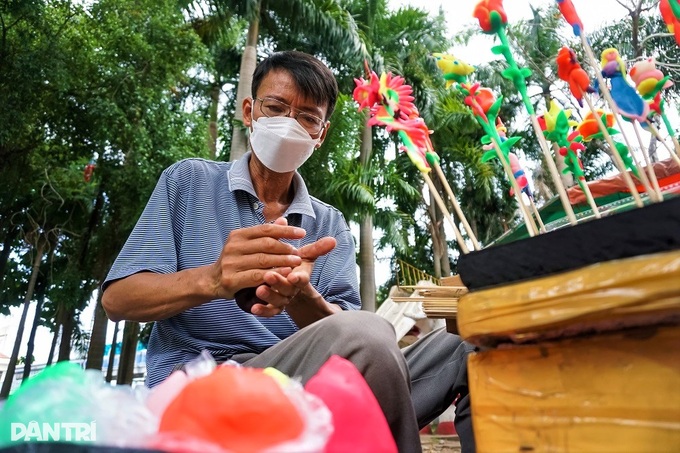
(337, 272)
(152, 245)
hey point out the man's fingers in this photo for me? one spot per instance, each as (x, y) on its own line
(273, 230)
(259, 262)
(264, 244)
(266, 311)
(318, 248)
(281, 284)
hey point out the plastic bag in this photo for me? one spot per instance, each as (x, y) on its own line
(66, 403)
(238, 409)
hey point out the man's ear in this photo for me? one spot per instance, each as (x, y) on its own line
(248, 104)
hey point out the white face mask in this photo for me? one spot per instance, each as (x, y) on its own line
(281, 143)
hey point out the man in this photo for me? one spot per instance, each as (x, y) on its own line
(215, 231)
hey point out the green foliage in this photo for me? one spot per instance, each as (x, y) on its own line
(105, 83)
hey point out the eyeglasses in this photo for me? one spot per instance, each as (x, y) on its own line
(271, 107)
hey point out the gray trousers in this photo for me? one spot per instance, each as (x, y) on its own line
(413, 386)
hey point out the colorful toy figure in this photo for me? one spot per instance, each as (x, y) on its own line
(569, 13)
(454, 69)
(493, 20)
(628, 102)
(491, 16)
(569, 70)
(485, 106)
(520, 176)
(572, 158)
(670, 13)
(648, 80)
(589, 130)
(390, 102)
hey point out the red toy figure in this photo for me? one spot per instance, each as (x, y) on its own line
(569, 70)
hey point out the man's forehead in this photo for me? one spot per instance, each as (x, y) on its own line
(280, 85)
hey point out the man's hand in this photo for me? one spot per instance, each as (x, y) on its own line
(284, 287)
(250, 253)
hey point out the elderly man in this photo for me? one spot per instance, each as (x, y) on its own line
(217, 233)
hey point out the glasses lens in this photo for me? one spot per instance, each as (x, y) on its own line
(272, 107)
(311, 123)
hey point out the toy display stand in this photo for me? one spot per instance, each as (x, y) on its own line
(584, 356)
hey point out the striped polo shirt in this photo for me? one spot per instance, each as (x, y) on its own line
(192, 210)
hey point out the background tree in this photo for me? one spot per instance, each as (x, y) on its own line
(105, 84)
(270, 19)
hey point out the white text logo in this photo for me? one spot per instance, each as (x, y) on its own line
(34, 431)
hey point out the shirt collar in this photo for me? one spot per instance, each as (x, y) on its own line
(239, 178)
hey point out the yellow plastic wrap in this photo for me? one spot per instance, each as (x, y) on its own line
(618, 392)
(643, 290)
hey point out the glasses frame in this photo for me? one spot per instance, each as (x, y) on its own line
(291, 115)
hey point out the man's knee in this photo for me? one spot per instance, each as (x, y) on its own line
(360, 324)
(364, 338)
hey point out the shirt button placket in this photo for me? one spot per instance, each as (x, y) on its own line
(257, 209)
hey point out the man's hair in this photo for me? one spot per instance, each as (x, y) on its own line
(313, 78)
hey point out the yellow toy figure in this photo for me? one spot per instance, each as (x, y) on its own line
(454, 69)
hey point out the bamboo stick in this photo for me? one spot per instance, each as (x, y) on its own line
(656, 133)
(615, 154)
(528, 219)
(456, 207)
(541, 226)
(442, 206)
(648, 164)
(586, 191)
(553, 171)
(608, 98)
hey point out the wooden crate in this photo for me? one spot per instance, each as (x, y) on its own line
(615, 392)
(639, 291)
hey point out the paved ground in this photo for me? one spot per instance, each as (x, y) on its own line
(440, 444)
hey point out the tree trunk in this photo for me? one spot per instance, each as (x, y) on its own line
(92, 223)
(245, 81)
(66, 335)
(366, 248)
(126, 363)
(53, 347)
(112, 353)
(440, 248)
(653, 155)
(6, 250)
(434, 232)
(212, 126)
(367, 264)
(95, 351)
(11, 366)
(44, 279)
(30, 345)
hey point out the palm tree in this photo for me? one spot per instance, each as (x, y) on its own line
(220, 32)
(325, 20)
